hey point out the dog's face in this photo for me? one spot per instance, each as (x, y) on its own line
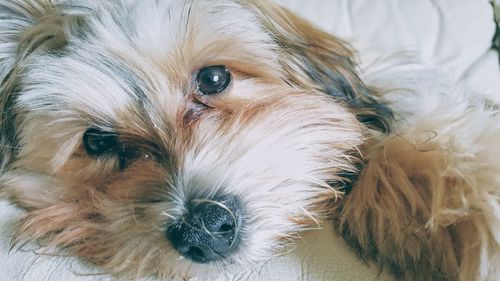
(140, 132)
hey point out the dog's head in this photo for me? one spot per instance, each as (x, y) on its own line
(138, 132)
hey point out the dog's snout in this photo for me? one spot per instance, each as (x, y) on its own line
(209, 231)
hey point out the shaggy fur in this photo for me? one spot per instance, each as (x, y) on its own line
(294, 132)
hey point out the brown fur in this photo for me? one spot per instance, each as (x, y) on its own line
(414, 210)
(314, 59)
(287, 136)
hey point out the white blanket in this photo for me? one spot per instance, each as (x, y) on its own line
(454, 35)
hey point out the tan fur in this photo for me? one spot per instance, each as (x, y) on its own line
(286, 137)
(316, 60)
(426, 204)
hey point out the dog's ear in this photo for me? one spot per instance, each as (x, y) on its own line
(27, 27)
(315, 59)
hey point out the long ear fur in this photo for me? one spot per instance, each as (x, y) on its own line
(317, 60)
(26, 27)
(426, 205)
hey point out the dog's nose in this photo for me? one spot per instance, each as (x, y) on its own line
(208, 231)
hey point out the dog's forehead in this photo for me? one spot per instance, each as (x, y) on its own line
(134, 51)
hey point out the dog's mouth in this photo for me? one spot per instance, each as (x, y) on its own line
(209, 231)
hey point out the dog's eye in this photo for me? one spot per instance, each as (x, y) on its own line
(98, 142)
(213, 79)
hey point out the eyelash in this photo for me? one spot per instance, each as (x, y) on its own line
(124, 154)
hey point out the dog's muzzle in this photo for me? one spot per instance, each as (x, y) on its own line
(208, 231)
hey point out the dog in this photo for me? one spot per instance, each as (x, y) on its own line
(175, 139)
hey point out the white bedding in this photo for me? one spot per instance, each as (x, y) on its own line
(454, 35)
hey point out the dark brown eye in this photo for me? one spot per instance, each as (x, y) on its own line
(98, 142)
(213, 79)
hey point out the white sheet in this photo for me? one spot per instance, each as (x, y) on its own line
(454, 34)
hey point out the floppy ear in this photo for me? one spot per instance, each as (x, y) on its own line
(27, 27)
(317, 60)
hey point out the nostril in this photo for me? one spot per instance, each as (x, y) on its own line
(208, 231)
(215, 217)
(226, 228)
(196, 254)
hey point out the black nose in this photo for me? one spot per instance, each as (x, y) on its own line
(208, 231)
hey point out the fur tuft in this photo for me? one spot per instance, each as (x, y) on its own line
(317, 60)
(427, 202)
(26, 27)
